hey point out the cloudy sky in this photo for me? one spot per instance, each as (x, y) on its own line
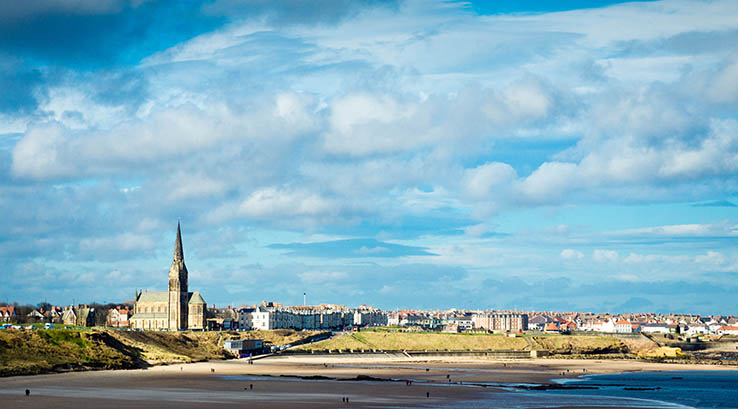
(405, 154)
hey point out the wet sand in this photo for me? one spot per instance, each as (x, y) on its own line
(277, 384)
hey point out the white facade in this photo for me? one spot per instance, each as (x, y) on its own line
(697, 329)
(268, 318)
(727, 330)
(656, 328)
(366, 317)
(623, 327)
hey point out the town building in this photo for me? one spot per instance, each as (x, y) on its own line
(243, 347)
(623, 327)
(174, 309)
(118, 317)
(658, 328)
(727, 330)
(501, 322)
(85, 316)
(69, 317)
(7, 314)
(369, 316)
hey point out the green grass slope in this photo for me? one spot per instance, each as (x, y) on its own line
(28, 352)
(400, 341)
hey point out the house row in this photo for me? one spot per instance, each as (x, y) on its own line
(81, 315)
(267, 317)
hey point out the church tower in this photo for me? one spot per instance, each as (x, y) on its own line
(178, 296)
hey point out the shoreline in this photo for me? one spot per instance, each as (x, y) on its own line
(316, 381)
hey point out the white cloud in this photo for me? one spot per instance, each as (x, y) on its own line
(714, 258)
(188, 186)
(550, 182)
(275, 202)
(724, 87)
(684, 230)
(571, 254)
(371, 250)
(636, 258)
(605, 255)
(488, 181)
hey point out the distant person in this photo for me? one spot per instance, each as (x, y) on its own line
(251, 386)
(427, 394)
(28, 392)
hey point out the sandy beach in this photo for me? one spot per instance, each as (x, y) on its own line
(280, 382)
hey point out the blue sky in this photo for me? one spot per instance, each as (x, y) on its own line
(406, 154)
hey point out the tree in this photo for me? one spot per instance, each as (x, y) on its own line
(21, 312)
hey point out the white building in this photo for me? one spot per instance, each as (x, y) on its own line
(623, 327)
(697, 329)
(727, 330)
(299, 318)
(368, 316)
(657, 328)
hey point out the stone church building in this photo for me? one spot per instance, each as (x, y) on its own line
(174, 309)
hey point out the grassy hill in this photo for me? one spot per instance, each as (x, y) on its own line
(398, 341)
(56, 350)
(408, 341)
(41, 351)
(579, 344)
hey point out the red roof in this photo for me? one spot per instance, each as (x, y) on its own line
(551, 327)
(622, 322)
(9, 309)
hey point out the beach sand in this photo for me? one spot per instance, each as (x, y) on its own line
(228, 384)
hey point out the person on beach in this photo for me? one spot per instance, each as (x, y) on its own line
(28, 392)
(427, 394)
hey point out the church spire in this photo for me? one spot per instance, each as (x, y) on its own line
(178, 253)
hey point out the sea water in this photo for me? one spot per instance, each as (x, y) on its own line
(693, 389)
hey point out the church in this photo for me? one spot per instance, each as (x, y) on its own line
(171, 310)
